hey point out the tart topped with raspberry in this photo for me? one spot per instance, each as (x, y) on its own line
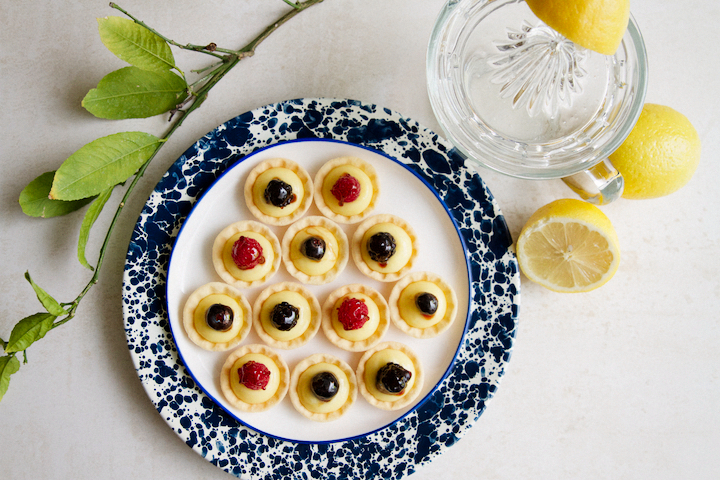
(355, 317)
(315, 250)
(384, 247)
(322, 387)
(346, 189)
(254, 378)
(217, 317)
(246, 253)
(422, 305)
(286, 315)
(278, 191)
(390, 376)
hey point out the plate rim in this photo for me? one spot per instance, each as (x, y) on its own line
(317, 459)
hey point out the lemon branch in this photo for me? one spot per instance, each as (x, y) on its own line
(31, 329)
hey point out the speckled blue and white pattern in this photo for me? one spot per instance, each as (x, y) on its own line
(398, 449)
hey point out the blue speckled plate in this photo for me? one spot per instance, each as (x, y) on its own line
(419, 435)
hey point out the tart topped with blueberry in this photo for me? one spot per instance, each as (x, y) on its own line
(322, 387)
(286, 315)
(390, 376)
(422, 305)
(346, 189)
(254, 378)
(315, 250)
(384, 247)
(355, 317)
(217, 317)
(246, 254)
(278, 191)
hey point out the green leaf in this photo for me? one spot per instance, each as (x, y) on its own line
(52, 305)
(101, 164)
(135, 93)
(135, 44)
(29, 330)
(34, 199)
(8, 365)
(92, 214)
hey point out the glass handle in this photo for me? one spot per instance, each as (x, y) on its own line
(600, 184)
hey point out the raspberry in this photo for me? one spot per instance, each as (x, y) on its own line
(346, 189)
(254, 375)
(247, 253)
(353, 313)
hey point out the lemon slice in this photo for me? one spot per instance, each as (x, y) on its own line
(595, 24)
(568, 246)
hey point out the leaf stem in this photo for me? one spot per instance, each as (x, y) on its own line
(207, 49)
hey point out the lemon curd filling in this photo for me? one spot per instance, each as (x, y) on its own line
(364, 332)
(403, 248)
(356, 206)
(248, 395)
(209, 333)
(257, 272)
(310, 401)
(293, 298)
(378, 360)
(307, 265)
(409, 311)
(287, 176)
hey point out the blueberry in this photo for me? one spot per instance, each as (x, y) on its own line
(219, 317)
(427, 303)
(325, 386)
(279, 193)
(313, 248)
(381, 247)
(284, 316)
(392, 379)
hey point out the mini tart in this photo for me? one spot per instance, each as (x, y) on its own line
(310, 315)
(307, 270)
(245, 399)
(377, 357)
(370, 333)
(307, 403)
(195, 310)
(405, 314)
(290, 173)
(222, 254)
(356, 210)
(405, 251)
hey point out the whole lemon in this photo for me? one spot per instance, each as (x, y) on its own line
(660, 155)
(595, 24)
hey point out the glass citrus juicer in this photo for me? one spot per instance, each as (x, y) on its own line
(515, 96)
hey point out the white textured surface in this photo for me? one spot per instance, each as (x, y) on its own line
(622, 382)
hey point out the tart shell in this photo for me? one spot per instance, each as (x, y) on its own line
(189, 315)
(304, 203)
(254, 407)
(320, 179)
(226, 234)
(438, 328)
(342, 257)
(349, 345)
(310, 331)
(409, 396)
(357, 246)
(307, 363)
